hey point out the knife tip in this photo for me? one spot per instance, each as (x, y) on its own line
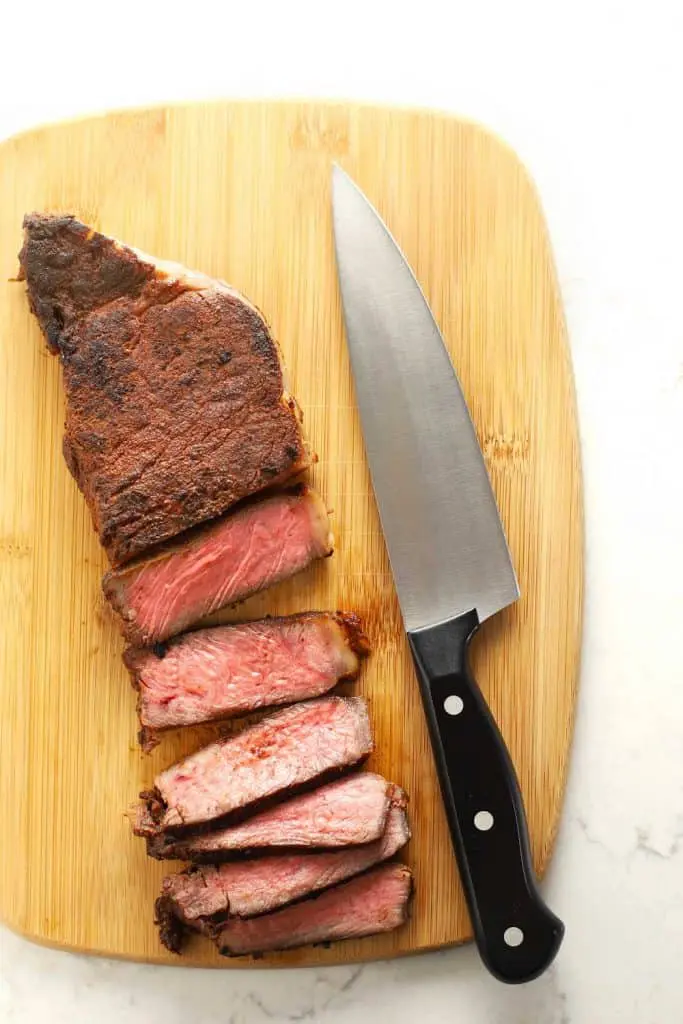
(337, 172)
(339, 181)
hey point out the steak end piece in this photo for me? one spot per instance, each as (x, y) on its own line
(176, 406)
(349, 812)
(282, 753)
(225, 671)
(377, 901)
(172, 931)
(219, 564)
(201, 898)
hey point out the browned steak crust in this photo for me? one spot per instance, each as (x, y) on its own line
(172, 931)
(176, 408)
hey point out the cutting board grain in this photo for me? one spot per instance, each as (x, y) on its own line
(242, 191)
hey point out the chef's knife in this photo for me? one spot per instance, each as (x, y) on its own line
(452, 569)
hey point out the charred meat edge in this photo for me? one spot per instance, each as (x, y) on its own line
(128, 273)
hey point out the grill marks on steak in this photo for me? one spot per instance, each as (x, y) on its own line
(202, 897)
(176, 407)
(230, 670)
(222, 563)
(375, 902)
(348, 812)
(284, 751)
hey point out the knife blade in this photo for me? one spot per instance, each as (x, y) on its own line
(452, 569)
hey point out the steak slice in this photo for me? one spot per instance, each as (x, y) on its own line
(373, 902)
(285, 751)
(221, 563)
(176, 407)
(230, 670)
(202, 898)
(348, 812)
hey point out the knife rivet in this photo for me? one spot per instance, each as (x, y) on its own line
(513, 936)
(483, 820)
(453, 705)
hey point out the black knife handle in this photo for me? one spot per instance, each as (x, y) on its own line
(517, 935)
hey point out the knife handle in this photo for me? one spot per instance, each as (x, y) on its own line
(517, 935)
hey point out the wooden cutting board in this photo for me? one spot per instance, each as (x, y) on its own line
(242, 191)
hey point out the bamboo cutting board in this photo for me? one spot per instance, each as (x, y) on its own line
(241, 191)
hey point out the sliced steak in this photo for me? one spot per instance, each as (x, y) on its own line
(282, 752)
(224, 562)
(176, 407)
(348, 812)
(203, 897)
(230, 670)
(374, 902)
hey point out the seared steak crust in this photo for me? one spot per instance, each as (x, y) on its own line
(176, 407)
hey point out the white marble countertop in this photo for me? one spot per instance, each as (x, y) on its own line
(589, 94)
